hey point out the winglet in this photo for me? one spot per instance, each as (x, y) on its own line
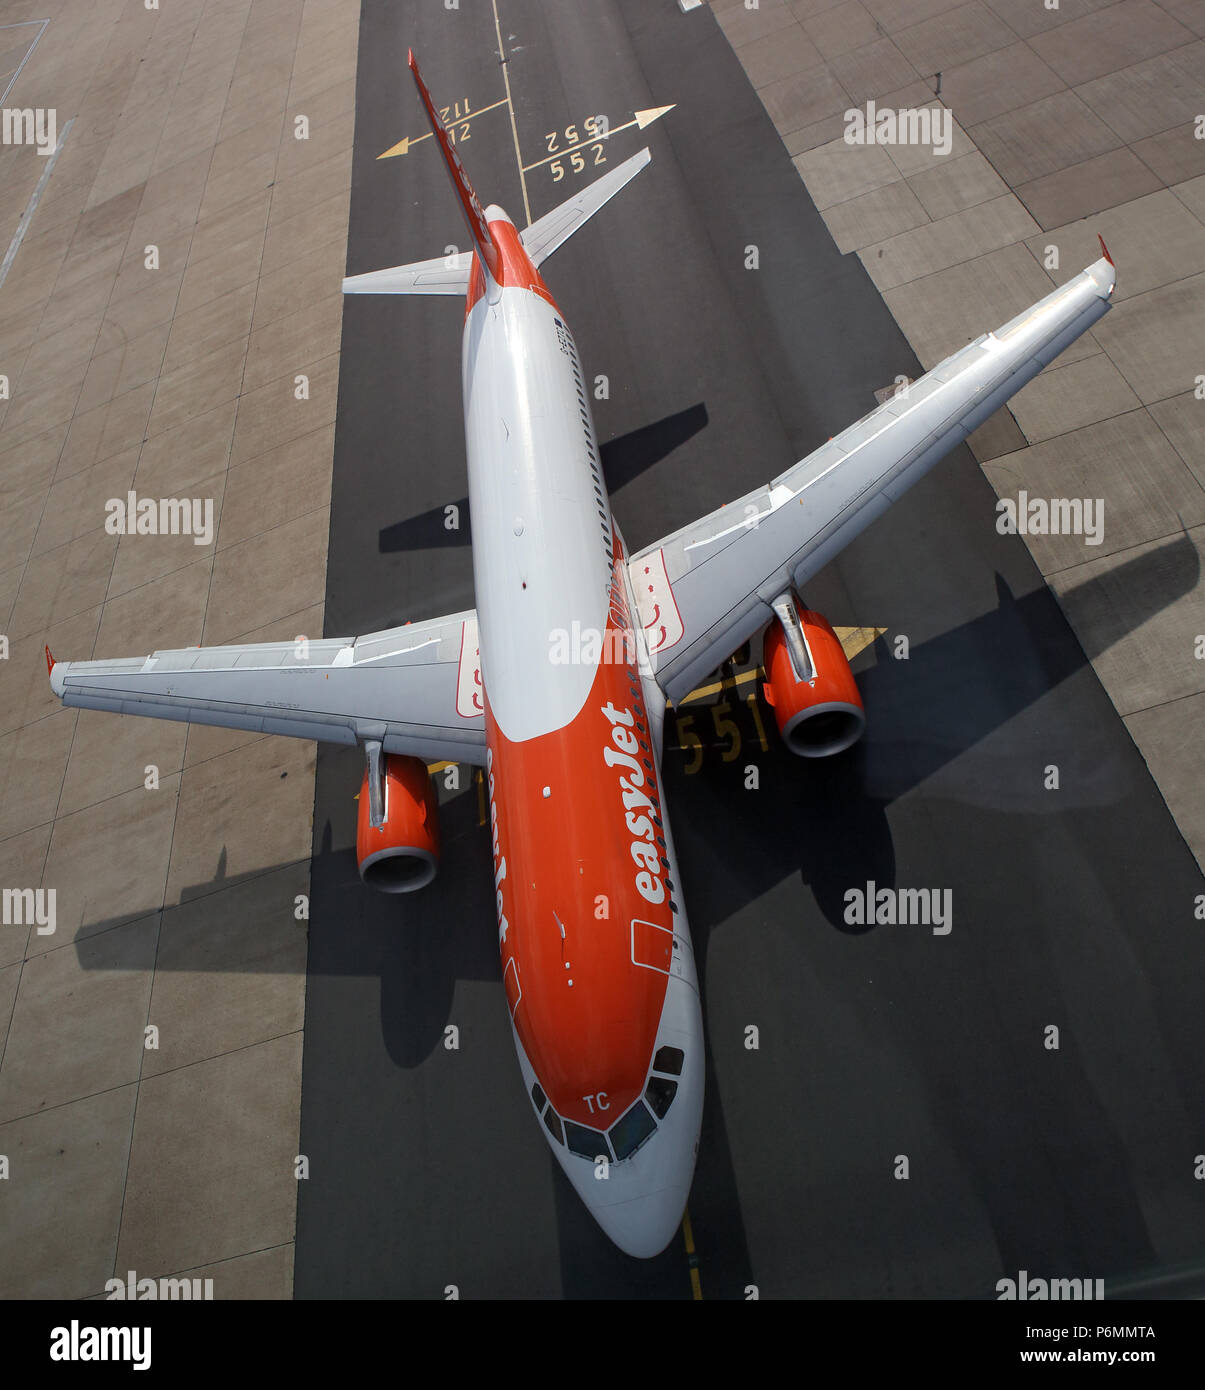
(57, 683)
(1104, 250)
(469, 203)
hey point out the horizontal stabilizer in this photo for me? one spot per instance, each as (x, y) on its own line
(555, 228)
(450, 274)
(441, 275)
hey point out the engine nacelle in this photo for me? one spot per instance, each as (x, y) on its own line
(811, 689)
(402, 854)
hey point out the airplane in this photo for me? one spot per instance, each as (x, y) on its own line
(596, 958)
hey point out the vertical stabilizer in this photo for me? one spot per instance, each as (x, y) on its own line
(470, 205)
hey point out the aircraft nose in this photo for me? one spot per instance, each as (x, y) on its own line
(494, 213)
(643, 1226)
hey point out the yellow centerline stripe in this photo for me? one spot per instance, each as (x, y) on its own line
(692, 1258)
(514, 129)
(701, 692)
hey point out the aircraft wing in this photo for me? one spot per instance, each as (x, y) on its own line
(450, 274)
(705, 590)
(416, 688)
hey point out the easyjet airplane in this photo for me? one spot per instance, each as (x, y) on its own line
(597, 964)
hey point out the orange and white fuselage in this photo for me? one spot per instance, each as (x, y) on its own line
(559, 700)
(596, 955)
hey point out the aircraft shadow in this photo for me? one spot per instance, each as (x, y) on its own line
(976, 687)
(980, 686)
(823, 819)
(623, 459)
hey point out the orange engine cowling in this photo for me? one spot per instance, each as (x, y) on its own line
(401, 854)
(818, 712)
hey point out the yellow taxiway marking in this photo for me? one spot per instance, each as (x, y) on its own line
(478, 779)
(641, 119)
(692, 1258)
(514, 129)
(853, 640)
(404, 146)
(701, 692)
(856, 639)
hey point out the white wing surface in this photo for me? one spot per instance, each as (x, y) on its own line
(440, 275)
(416, 689)
(706, 589)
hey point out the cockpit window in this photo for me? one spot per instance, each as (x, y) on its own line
(586, 1143)
(628, 1133)
(553, 1121)
(669, 1059)
(659, 1094)
(538, 1097)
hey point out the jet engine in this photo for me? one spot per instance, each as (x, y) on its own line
(809, 685)
(401, 852)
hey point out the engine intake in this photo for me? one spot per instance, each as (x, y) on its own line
(809, 685)
(402, 853)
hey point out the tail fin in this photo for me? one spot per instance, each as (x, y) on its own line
(469, 202)
(451, 274)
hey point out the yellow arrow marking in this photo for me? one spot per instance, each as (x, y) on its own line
(642, 119)
(856, 639)
(403, 146)
(653, 113)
